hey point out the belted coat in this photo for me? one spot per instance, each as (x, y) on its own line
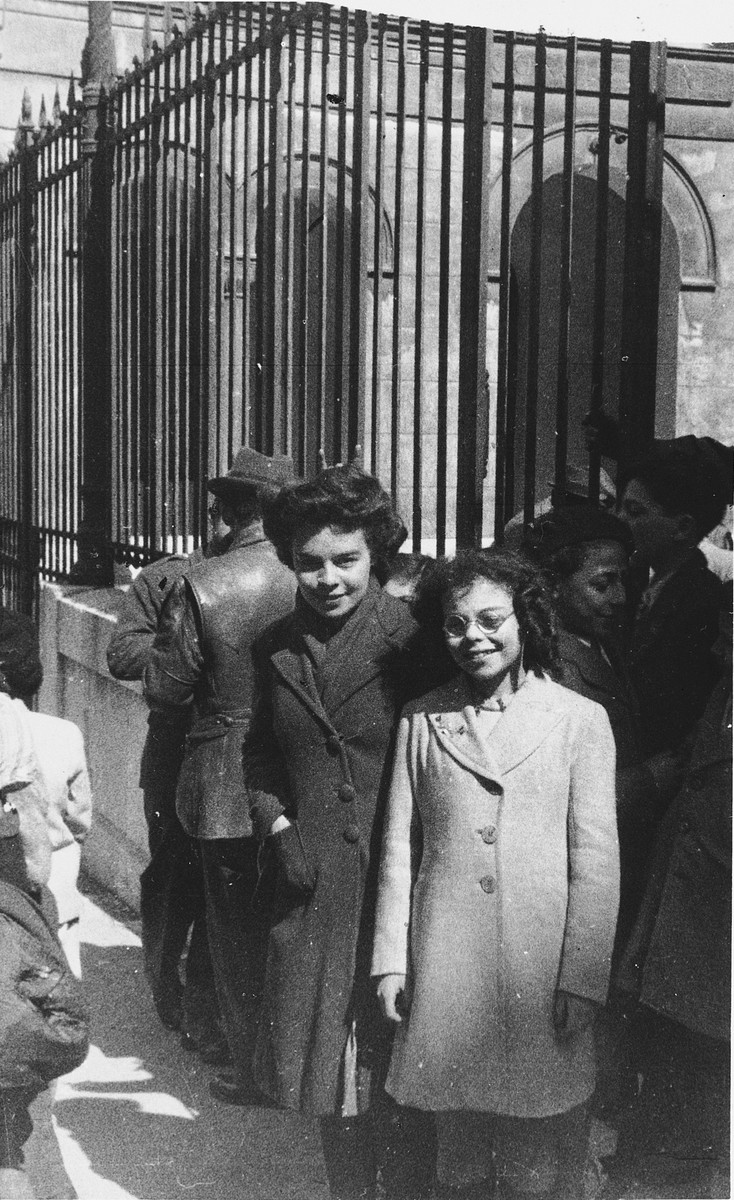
(318, 750)
(201, 664)
(499, 885)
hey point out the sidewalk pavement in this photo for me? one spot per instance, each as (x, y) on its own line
(136, 1120)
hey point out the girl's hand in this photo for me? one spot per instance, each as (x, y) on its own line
(392, 994)
(571, 1015)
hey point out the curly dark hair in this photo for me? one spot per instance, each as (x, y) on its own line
(344, 497)
(524, 581)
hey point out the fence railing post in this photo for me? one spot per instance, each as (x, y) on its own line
(94, 565)
(26, 280)
(643, 223)
(473, 448)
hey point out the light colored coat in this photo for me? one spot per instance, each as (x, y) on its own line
(59, 750)
(516, 896)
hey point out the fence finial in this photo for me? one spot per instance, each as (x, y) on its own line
(24, 132)
(43, 120)
(71, 96)
(56, 110)
(147, 36)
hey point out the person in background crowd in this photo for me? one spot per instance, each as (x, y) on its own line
(59, 750)
(584, 553)
(670, 500)
(674, 1137)
(602, 434)
(331, 678)
(19, 653)
(61, 764)
(404, 575)
(574, 493)
(171, 886)
(498, 892)
(44, 1026)
(200, 665)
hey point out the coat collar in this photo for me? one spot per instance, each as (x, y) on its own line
(589, 662)
(526, 723)
(386, 629)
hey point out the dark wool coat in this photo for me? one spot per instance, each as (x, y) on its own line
(585, 671)
(678, 960)
(671, 664)
(323, 760)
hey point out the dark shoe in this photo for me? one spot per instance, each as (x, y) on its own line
(169, 1012)
(226, 1089)
(212, 1050)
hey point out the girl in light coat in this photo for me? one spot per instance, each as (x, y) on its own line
(498, 892)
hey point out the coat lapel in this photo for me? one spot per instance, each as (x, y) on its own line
(289, 665)
(363, 657)
(527, 722)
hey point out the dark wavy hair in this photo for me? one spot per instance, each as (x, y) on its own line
(524, 581)
(345, 497)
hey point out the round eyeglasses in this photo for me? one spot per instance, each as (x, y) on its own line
(488, 622)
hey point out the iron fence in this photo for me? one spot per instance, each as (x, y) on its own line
(316, 229)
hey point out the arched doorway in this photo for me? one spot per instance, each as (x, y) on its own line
(583, 289)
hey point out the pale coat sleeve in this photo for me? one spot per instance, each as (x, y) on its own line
(78, 811)
(392, 922)
(593, 847)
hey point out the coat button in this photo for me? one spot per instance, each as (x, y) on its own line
(489, 834)
(332, 745)
(347, 792)
(488, 884)
(351, 834)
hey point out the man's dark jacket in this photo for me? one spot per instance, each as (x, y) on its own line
(202, 657)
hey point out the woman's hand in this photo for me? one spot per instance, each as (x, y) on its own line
(571, 1015)
(392, 992)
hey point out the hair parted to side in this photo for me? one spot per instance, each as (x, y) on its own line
(343, 497)
(684, 478)
(524, 581)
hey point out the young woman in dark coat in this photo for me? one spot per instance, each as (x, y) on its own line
(332, 678)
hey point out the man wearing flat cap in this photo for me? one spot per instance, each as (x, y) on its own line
(201, 662)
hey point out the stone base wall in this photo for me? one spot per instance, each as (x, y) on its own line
(75, 627)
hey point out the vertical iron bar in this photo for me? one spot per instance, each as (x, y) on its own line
(248, 240)
(289, 340)
(273, 361)
(207, 318)
(358, 252)
(643, 219)
(444, 280)
(304, 449)
(340, 384)
(420, 222)
(600, 253)
(260, 248)
(473, 444)
(323, 432)
(234, 398)
(378, 252)
(536, 243)
(506, 399)
(186, 330)
(25, 440)
(398, 251)
(564, 315)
